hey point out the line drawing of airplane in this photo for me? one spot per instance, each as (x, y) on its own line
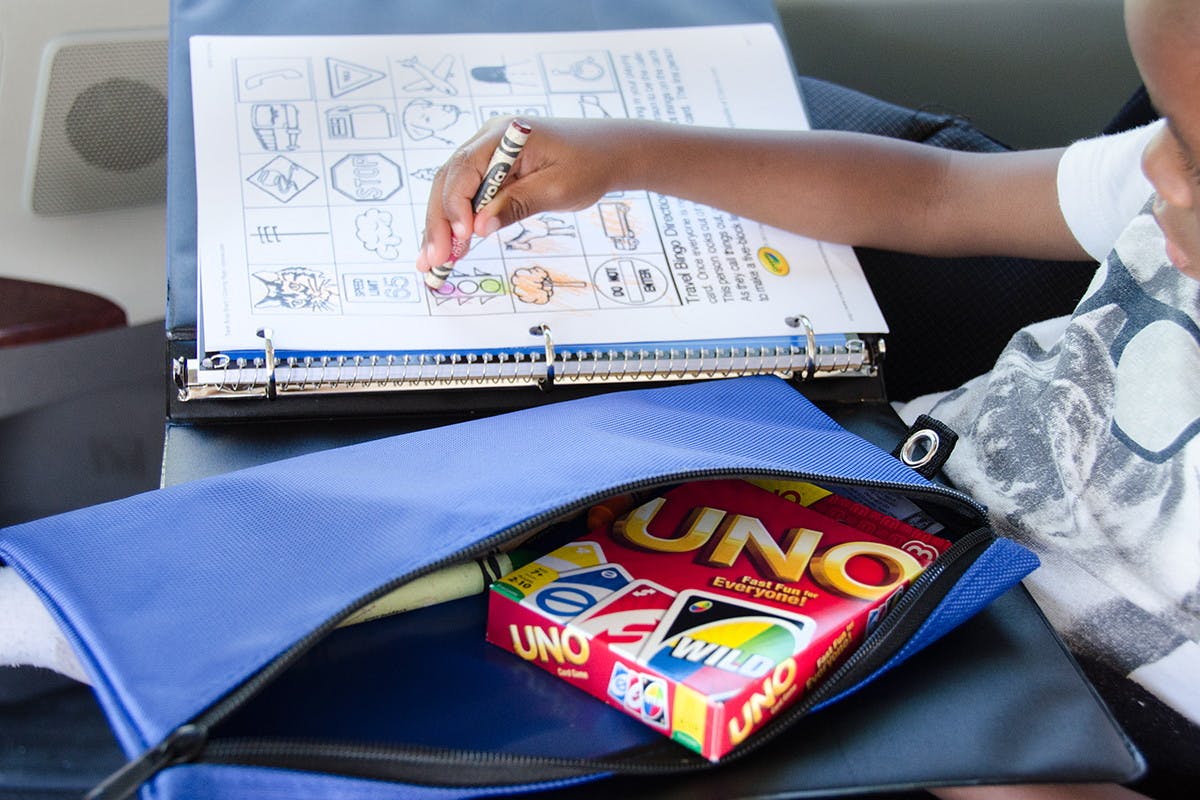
(431, 80)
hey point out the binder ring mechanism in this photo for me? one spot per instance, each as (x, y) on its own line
(266, 334)
(810, 344)
(546, 383)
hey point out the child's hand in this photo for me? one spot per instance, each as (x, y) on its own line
(566, 165)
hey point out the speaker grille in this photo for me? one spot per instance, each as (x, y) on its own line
(104, 130)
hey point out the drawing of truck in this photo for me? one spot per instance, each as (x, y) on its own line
(277, 125)
(367, 121)
(615, 219)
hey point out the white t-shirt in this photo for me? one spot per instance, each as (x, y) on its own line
(1101, 186)
(1084, 439)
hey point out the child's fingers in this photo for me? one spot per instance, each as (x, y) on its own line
(448, 214)
(517, 200)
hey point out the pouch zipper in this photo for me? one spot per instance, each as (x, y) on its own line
(381, 762)
(189, 742)
(900, 623)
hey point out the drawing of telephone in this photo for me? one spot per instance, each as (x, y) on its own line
(258, 79)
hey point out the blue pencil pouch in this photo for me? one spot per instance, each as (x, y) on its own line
(207, 614)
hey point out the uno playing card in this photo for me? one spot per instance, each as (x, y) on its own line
(576, 555)
(529, 578)
(618, 682)
(716, 643)
(577, 591)
(625, 618)
(655, 709)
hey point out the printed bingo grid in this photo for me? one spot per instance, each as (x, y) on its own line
(338, 153)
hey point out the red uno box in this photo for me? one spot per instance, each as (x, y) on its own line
(707, 610)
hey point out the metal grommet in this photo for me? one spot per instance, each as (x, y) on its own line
(911, 453)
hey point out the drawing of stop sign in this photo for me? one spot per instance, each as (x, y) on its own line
(366, 177)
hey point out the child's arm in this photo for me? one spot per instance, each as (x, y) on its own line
(834, 186)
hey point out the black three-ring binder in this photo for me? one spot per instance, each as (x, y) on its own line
(275, 367)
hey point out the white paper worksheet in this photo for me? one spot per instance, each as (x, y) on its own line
(314, 161)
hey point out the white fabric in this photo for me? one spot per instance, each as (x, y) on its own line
(1171, 676)
(28, 634)
(1084, 443)
(1101, 186)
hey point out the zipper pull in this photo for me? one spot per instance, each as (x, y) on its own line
(182, 744)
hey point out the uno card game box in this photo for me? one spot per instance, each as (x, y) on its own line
(705, 611)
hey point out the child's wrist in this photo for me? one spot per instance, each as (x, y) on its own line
(633, 157)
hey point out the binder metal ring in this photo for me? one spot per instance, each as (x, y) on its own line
(546, 383)
(810, 350)
(266, 334)
(179, 375)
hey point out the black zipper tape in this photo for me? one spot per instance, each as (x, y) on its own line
(182, 745)
(445, 767)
